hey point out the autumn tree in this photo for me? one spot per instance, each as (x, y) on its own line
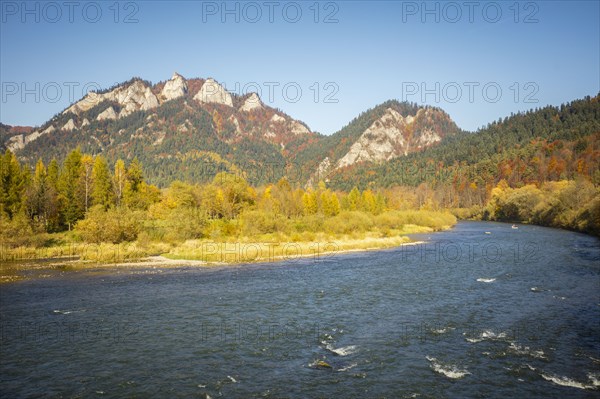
(119, 180)
(87, 166)
(69, 188)
(102, 189)
(330, 203)
(133, 184)
(354, 199)
(12, 184)
(233, 193)
(38, 196)
(310, 203)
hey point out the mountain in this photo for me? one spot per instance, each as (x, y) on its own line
(179, 129)
(189, 129)
(544, 144)
(389, 131)
(6, 131)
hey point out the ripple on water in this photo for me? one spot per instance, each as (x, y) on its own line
(486, 335)
(369, 320)
(447, 370)
(343, 351)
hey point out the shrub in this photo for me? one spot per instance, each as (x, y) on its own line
(16, 232)
(114, 225)
(349, 222)
(260, 222)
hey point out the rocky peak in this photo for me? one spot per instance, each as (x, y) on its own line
(379, 142)
(391, 136)
(69, 126)
(212, 92)
(174, 88)
(108, 113)
(135, 96)
(252, 103)
(298, 128)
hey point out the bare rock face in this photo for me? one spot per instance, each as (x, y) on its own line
(298, 128)
(49, 129)
(20, 141)
(379, 142)
(86, 103)
(133, 97)
(16, 142)
(85, 122)
(213, 92)
(321, 173)
(69, 126)
(390, 136)
(174, 88)
(278, 122)
(108, 113)
(277, 119)
(137, 97)
(252, 103)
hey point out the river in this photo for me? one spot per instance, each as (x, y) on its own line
(482, 310)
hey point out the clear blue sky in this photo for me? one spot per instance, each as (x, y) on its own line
(544, 51)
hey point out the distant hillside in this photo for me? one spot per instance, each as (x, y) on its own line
(6, 131)
(190, 129)
(179, 129)
(549, 143)
(388, 131)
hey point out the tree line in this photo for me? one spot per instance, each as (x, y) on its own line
(53, 198)
(103, 204)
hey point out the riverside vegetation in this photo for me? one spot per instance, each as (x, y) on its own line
(81, 208)
(541, 167)
(84, 210)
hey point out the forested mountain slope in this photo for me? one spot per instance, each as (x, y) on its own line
(545, 144)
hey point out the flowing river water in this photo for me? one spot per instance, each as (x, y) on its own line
(482, 310)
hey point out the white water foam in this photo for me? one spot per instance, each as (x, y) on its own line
(65, 312)
(449, 371)
(487, 335)
(568, 382)
(442, 330)
(343, 351)
(595, 379)
(486, 280)
(525, 350)
(348, 367)
(232, 379)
